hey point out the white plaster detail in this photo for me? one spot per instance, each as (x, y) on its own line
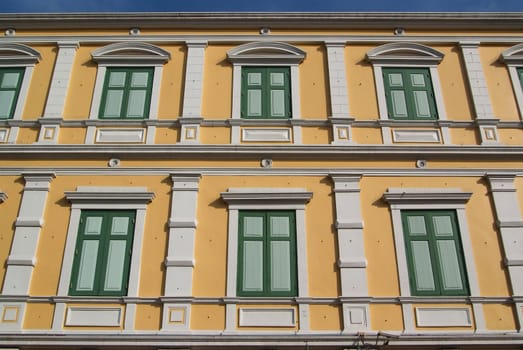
(11, 316)
(266, 54)
(339, 96)
(479, 90)
(190, 130)
(443, 317)
(476, 79)
(22, 256)
(128, 54)
(412, 135)
(60, 79)
(3, 196)
(403, 54)
(430, 199)
(510, 224)
(18, 55)
(513, 57)
(267, 317)
(355, 317)
(106, 135)
(341, 130)
(265, 199)
(85, 316)
(266, 135)
(49, 132)
(179, 262)
(176, 317)
(104, 198)
(352, 261)
(192, 95)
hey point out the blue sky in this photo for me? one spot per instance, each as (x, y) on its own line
(22, 6)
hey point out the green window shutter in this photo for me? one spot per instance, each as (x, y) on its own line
(103, 252)
(267, 254)
(126, 93)
(434, 254)
(409, 93)
(10, 83)
(265, 92)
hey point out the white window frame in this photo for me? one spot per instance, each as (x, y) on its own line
(513, 58)
(408, 55)
(14, 55)
(266, 54)
(104, 198)
(266, 199)
(400, 199)
(115, 55)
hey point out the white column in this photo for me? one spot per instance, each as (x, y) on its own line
(479, 91)
(352, 261)
(54, 108)
(22, 257)
(510, 224)
(192, 96)
(179, 262)
(339, 96)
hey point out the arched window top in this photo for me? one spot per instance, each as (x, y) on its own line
(513, 55)
(130, 53)
(404, 52)
(266, 53)
(18, 54)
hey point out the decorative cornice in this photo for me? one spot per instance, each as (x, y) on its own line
(426, 195)
(127, 195)
(238, 20)
(235, 196)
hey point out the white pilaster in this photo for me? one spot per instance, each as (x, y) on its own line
(479, 92)
(22, 257)
(510, 224)
(352, 261)
(179, 262)
(339, 96)
(192, 97)
(58, 91)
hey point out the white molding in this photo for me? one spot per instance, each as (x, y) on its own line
(393, 53)
(12, 316)
(265, 199)
(416, 136)
(261, 53)
(18, 55)
(121, 135)
(144, 55)
(89, 316)
(105, 198)
(406, 55)
(355, 317)
(513, 58)
(266, 135)
(266, 317)
(176, 317)
(429, 199)
(443, 317)
(266, 53)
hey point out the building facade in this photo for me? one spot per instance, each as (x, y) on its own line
(255, 180)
